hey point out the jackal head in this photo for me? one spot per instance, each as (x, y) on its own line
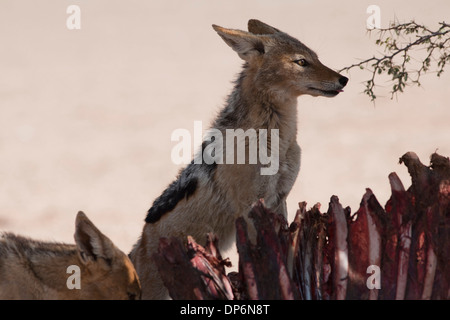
(280, 63)
(110, 273)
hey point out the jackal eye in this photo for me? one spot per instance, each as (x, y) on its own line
(131, 296)
(301, 62)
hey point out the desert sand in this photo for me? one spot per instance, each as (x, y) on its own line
(86, 115)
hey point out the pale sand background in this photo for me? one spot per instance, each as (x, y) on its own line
(86, 116)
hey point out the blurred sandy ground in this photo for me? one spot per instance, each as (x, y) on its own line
(86, 115)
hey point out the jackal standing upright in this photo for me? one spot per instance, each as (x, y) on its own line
(209, 197)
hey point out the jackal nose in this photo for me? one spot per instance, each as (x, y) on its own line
(343, 81)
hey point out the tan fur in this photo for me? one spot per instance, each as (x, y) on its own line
(265, 97)
(32, 269)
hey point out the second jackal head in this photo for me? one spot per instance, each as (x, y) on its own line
(280, 63)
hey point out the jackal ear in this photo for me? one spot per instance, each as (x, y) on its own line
(91, 243)
(247, 45)
(258, 27)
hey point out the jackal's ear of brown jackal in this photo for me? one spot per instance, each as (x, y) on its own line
(246, 44)
(92, 245)
(258, 27)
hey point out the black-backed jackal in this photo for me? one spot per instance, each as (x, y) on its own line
(208, 197)
(92, 269)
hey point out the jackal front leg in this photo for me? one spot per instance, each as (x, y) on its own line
(288, 174)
